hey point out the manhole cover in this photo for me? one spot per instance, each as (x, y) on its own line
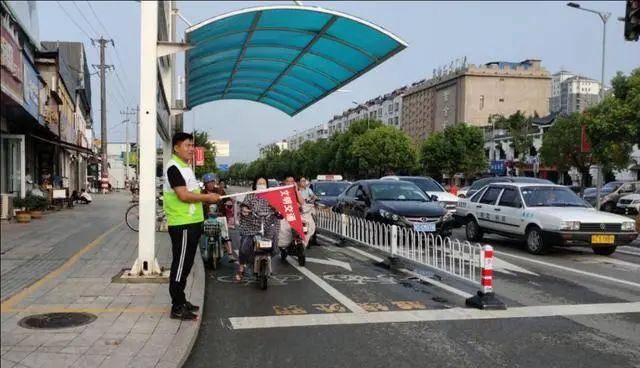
(53, 321)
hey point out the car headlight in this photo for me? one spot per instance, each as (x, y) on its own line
(570, 225)
(384, 213)
(628, 226)
(635, 201)
(394, 217)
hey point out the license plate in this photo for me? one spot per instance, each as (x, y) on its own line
(264, 244)
(602, 239)
(425, 228)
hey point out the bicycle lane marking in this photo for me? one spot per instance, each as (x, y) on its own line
(8, 304)
(343, 299)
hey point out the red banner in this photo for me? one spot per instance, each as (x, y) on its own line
(199, 156)
(283, 199)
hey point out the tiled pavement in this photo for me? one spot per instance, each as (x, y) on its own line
(132, 329)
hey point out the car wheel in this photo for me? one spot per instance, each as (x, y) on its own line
(604, 251)
(473, 230)
(535, 242)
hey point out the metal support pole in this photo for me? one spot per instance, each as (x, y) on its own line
(146, 264)
(126, 150)
(102, 43)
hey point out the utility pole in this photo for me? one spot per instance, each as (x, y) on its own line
(125, 117)
(102, 43)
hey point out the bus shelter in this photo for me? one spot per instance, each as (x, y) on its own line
(285, 56)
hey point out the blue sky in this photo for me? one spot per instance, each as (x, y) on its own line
(437, 32)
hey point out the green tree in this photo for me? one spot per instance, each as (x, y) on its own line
(561, 145)
(383, 149)
(458, 149)
(518, 125)
(613, 126)
(201, 139)
(340, 144)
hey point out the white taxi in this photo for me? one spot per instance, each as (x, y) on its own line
(543, 215)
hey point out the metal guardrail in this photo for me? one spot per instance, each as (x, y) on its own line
(464, 260)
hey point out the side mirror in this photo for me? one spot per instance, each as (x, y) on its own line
(433, 197)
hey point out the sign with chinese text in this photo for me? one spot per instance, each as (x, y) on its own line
(31, 88)
(11, 71)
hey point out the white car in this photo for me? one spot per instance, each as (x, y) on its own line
(544, 215)
(431, 188)
(630, 204)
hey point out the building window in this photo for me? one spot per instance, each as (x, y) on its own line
(481, 102)
(390, 108)
(390, 121)
(501, 100)
(380, 112)
(396, 120)
(397, 106)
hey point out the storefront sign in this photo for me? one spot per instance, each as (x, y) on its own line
(11, 71)
(31, 88)
(67, 118)
(50, 115)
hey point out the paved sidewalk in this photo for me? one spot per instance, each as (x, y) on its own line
(132, 329)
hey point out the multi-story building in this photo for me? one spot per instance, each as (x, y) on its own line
(312, 134)
(118, 174)
(470, 93)
(572, 93)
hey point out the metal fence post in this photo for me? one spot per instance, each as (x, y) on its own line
(486, 299)
(343, 224)
(394, 241)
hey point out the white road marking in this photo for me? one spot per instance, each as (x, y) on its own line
(453, 314)
(632, 253)
(368, 255)
(350, 304)
(585, 273)
(500, 265)
(439, 284)
(436, 283)
(327, 239)
(330, 262)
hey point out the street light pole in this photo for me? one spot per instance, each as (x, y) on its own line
(604, 16)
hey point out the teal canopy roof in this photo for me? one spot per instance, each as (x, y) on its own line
(287, 57)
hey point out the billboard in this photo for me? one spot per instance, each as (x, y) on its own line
(222, 148)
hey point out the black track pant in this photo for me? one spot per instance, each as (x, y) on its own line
(184, 245)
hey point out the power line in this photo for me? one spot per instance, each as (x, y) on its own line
(98, 18)
(85, 18)
(73, 20)
(115, 49)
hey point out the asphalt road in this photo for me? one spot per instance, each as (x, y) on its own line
(569, 308)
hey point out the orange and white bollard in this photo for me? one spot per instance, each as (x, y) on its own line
(486, 299)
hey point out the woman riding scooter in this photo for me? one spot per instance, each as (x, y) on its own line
(308, 208)
(211, 186)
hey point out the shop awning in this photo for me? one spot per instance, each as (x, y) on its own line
(287, 57)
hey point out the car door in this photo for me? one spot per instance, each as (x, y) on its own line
(360, 202)
(486, 209)
(345, 202)
(509, 211)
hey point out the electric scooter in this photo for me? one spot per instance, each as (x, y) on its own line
(211, 241)
(263, 250)
(296, 247)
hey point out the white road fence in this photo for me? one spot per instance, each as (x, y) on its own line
(471, 262)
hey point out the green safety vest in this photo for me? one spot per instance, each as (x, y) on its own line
(178, 212)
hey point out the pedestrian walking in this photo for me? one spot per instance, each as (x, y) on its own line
(183, 207)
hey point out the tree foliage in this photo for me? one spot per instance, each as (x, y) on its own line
(561, 145)
(518, 125)
(613, 126)
(382, 150)
(458, 149)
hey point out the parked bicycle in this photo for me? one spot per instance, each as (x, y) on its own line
(132, 216)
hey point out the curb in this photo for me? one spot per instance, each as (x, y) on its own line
(197, 297)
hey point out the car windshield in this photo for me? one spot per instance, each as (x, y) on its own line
(551, 197)
(427, 185)
(397, 191)
(329, 189)
(610, 187)
(589, 192)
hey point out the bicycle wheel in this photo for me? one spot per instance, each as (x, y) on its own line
(132, 217)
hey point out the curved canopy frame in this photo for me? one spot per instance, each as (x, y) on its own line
(287, 57)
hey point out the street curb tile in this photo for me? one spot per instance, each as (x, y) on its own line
(197, 298)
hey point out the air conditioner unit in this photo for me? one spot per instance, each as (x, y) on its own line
(6, 206)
